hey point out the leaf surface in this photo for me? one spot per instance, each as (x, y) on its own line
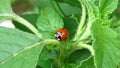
(77, 57)
(48, 22)
(107, 6)
(89, 63)
(106, 45)
(18, 49)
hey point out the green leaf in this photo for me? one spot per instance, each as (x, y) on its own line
(118, 32)
(107, 6)
(77, 56)
(71, 25)
(45, 63)
(88, 63)
(18, 49)
(118, 66)
(48, 22)
(106, 46)
(43, 3)
(65, 7)
(69, 10)
(119, 3)
(46, 58)
(71, 2)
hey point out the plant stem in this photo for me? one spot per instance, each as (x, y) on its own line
(28, 25)
(52, 41)
(86, 34)
(82, 22)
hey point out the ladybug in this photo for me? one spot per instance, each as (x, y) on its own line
(61, 34)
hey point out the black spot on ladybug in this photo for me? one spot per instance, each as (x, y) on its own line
(57, 36)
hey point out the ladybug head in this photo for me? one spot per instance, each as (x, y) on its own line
(58, 35)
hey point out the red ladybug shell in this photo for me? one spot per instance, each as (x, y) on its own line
(61, 34)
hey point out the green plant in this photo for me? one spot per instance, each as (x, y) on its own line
(93, 35)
